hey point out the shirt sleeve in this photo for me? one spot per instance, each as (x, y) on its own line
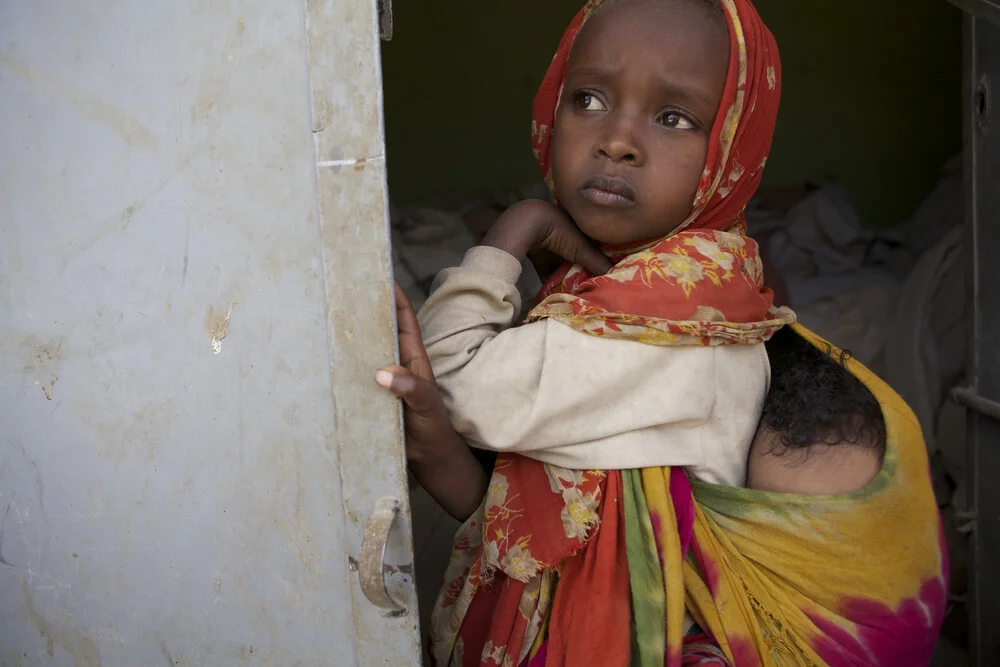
(575, 400)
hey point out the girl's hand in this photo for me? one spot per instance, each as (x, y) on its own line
(535, 227)
(439, 457)
(427, 426)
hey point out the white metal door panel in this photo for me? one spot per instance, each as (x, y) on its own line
(194, 291)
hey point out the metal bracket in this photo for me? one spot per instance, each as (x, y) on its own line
(967, 397)
(965, 522)
(984, 9)
(385, 19)
(371, 565)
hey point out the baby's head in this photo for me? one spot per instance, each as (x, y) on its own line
(638, 116)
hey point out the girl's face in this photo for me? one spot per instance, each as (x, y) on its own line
(643, 87)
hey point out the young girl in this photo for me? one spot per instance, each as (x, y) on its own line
(659, 361)
(652, 126)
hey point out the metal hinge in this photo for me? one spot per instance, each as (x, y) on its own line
(385, 19)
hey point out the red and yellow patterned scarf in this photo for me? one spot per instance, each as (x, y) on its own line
(703, 284)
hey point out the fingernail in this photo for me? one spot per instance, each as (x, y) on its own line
(403, 384)
(383, 379)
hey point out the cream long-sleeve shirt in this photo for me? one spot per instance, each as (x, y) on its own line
(580, 401)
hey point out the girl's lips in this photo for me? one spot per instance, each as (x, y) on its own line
(606, 191)
(605, 198)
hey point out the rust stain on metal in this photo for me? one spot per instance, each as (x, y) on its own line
(93, 108)
(245, 652)
(47, 388)
(48, 353)
(74, 641)
(217, 324)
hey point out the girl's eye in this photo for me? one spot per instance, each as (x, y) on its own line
(588, 102)
(674, 120)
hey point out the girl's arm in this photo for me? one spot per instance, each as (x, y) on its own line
(439, 457)
(578, 401)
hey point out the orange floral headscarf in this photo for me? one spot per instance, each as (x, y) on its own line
(703, 284)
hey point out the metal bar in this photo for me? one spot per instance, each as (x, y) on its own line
(385, 19)
(984, 9)
(982, 148)
(967, 397)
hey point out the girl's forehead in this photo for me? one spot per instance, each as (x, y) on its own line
(681, 33)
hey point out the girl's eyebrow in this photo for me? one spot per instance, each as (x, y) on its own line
(686, 93)
(590, 72)
(670, 88)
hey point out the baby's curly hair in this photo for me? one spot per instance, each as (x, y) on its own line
(814, 399)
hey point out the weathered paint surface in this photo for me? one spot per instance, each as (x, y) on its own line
(191, 308)
(345, 77)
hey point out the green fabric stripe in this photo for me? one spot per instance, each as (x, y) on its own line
(648, 625)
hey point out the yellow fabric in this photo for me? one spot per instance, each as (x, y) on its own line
(858, 578)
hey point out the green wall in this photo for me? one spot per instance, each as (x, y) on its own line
(872, 96)
(459, 79)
